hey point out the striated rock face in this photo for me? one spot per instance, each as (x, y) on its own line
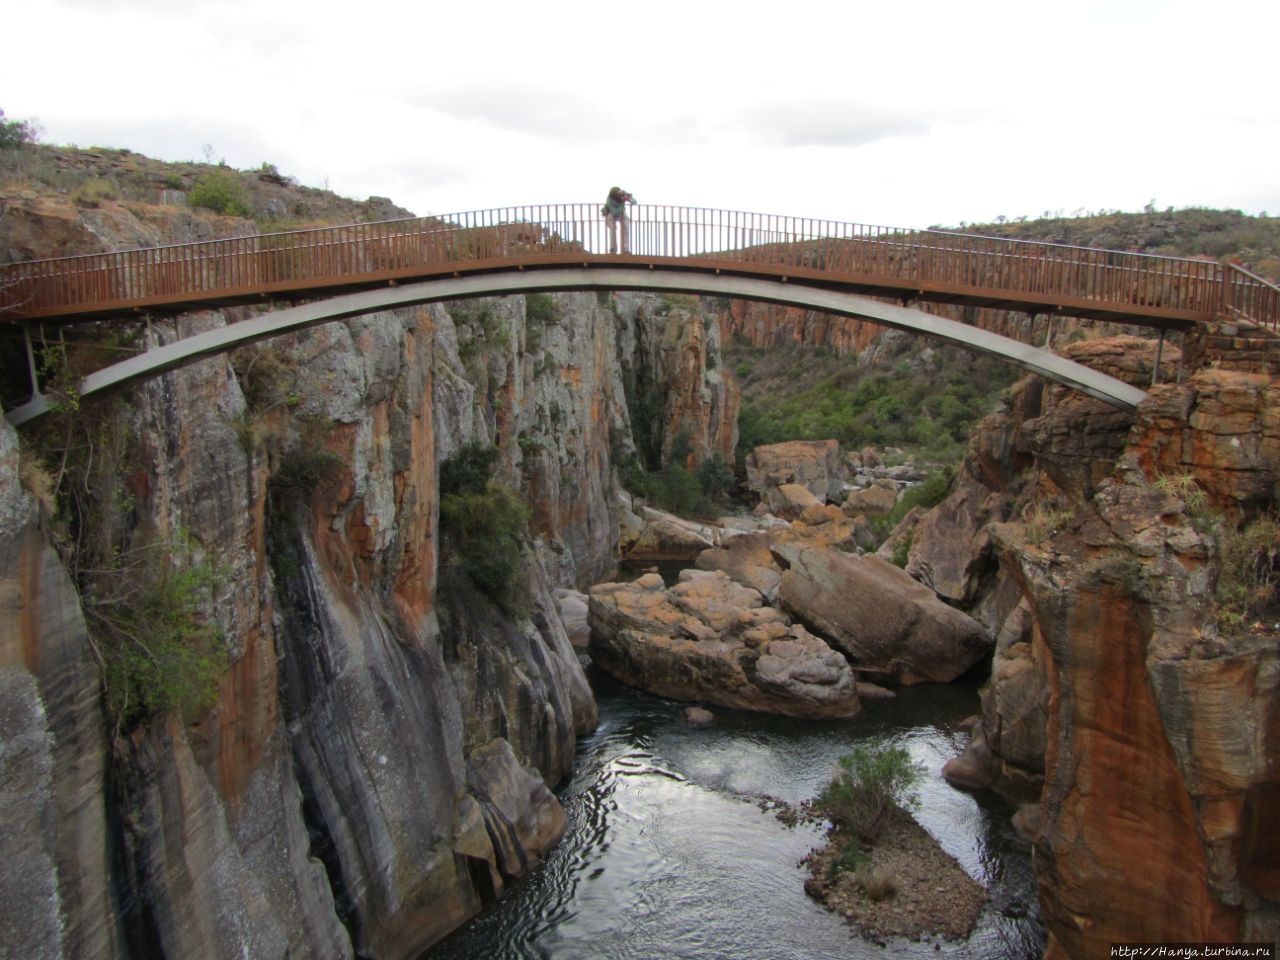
(55, 884)
(681, 400)
(1159, 744)
(712, 640)
(373, 771)
(377, 761)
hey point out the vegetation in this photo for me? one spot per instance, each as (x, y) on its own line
(1253, 242)
(1042, 522)
(541, 308)
(868, 786)
(223, 191)
(161, 650)
(92, 193)
(16, 133)
(700, 492)
(931, 405)
(482, 527)
(871, 784)
(1186, 488)
(1248, 587)
(928, 494)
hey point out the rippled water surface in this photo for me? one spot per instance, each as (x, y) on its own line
(670, 856)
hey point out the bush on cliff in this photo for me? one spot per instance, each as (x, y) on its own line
(222, 191)
(161, 650)
(1248, 586)
(482, 526)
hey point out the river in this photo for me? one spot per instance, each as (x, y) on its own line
(670, 856)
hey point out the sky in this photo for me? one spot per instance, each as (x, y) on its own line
(903, 113)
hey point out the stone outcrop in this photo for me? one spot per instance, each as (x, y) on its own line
(709, 639)
(749, 558)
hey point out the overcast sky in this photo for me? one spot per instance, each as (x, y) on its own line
(899, 113)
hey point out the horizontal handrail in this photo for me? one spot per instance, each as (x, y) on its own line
(937, 261)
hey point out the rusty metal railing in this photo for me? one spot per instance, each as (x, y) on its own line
(943, 264)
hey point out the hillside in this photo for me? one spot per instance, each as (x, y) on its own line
(1197, 232)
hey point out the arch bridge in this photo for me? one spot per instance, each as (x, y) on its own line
(831, 266)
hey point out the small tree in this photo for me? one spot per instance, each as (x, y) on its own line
(868, 785)
(15, 133)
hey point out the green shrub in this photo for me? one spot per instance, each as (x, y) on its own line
(540, 308)
(222, 191)
(924, 495)
(161, 651)
(304, 468)
(902, 551)
(469, 470)
(851, 857)
(868, 786)
(482, 526)
(716, 478)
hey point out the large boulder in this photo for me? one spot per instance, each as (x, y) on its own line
(711, 640)
(790, 500)
(664, 536)
(813, 464)
(876, 500)
(885, 621)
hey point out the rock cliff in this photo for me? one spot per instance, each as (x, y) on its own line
(375, 762)
(1140, 727)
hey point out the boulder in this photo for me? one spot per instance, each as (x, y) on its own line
(876, 500)
(790, 500)
(813, 464)
(710, 640)
(664, 536)
(886, 622)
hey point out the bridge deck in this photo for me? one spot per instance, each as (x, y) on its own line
(935, 266)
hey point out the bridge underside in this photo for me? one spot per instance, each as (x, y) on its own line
(577, 277)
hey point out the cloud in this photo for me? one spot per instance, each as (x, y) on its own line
(827, 122)
(531, 108)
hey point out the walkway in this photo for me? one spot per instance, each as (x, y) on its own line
(909, 265)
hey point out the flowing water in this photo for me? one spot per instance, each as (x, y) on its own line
(669, 854)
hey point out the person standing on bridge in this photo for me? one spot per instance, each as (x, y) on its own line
(615, 218)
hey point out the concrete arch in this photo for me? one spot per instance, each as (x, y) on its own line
(213, 342)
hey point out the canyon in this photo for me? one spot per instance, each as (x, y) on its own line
(376, 761)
